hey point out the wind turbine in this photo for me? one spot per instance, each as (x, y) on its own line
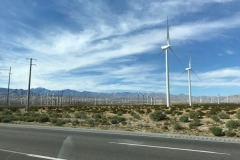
(189, 69)
(165, 48)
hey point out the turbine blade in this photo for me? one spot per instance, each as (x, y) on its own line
(168, 39)
(190, 60)
(176, 56)
(161, 51)
(196, 75)
(184, 71)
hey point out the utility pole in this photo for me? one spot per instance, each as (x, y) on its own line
(47, 98)
(8, 87)
(41, 100)
(143, 98)
(29, 84)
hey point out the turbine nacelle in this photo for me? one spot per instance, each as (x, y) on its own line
(188, 69)
(165, 47)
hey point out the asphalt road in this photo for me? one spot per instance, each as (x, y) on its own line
(20, 142)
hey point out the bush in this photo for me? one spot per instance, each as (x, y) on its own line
(90, 122)
(53, 120)
(215, 118)
(66, 115)
(30, 119)
(43, 118)
(60, 122)
(81, 115)
(121, 119)
(114, 120)
(135, 115)
(176, 126)
(75, 122)
(6, 118)
(217, 131)
(183, 118)
(119, 113)
(237, 114)
(194, 123)
(193, 114)
(7, 112)
(223, 115)
(231, 124)
(230, 133)
(157, 116)
(97, 116)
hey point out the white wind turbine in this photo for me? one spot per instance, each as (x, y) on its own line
(189, 80)
(165, 48)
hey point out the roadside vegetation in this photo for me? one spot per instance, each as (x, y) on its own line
(204, 119)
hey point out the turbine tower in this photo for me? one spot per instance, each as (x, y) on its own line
(189, 69)
(165, 48)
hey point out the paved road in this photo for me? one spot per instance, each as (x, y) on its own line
(21, 142)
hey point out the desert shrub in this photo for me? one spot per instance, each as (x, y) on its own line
(193, 124)
(183, 118)
(193, 114)
(230, 133)
(97, 116)
(119, 113)
(81, 115)
(43, 118)
(121, 119)
(141, 111)
(90, 122)
(7, 112)
(135, 115)
(66, 115)
(117, 119)
(53, 120)
(157, 116)
(6, 118)
(30, 119)
(33, 114)
(215, 118)
(58, 110)
(18, 112)
(168, 112)
(148, 110)
(114, 120)
(75, 122)
(60, 122)
(237, 114)
(176, 126)
(217, 131)
(223, 115)
(231, 124)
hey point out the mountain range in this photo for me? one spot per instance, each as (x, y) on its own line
(121, 95)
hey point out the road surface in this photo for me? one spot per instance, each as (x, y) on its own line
(23, 142)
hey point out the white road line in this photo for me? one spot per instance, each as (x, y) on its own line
(44, 157)
(181, 149)
(31, 155)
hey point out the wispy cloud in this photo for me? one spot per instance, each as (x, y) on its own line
(74, 54)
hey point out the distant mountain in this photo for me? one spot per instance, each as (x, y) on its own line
(117, 96)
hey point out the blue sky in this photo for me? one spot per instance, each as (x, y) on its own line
(114, 45)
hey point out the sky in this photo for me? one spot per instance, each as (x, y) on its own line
(115, 45)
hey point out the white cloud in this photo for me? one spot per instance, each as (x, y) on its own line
(108, 37)
(229, 52)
